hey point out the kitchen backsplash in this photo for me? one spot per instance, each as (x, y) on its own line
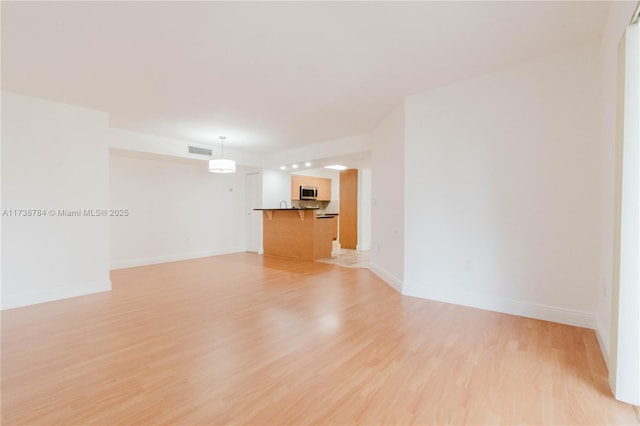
(324, 207)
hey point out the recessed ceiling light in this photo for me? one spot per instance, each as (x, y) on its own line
(295, 166)
(307, 164)
(336, 167)
(283, 167)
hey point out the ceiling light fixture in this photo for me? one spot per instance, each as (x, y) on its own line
(336, 167)
(220, 165)
(295, 166)
(307, 164)
(283, 167)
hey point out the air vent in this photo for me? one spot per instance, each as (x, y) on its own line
(198, 150)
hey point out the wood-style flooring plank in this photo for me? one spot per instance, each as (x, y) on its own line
(248, 339)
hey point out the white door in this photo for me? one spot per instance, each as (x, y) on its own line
(254, 219)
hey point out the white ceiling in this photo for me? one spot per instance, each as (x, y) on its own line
(270, 75)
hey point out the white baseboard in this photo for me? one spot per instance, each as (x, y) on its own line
(507, 306)
(603, 341)
(387, 277)
(53, 292)
(121, 264)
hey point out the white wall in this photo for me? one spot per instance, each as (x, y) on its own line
(502, 207)
(178, 210)
(276, 187)
(617, 21)
(54, 157)
(153, 144)
(387, 198)
(364, 209)
(334, 148)
(625, 344)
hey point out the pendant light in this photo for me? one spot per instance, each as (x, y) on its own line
(220, 165)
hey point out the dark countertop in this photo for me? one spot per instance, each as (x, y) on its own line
(306, 208)
(327, 215)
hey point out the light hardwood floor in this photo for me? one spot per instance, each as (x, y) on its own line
(249, 339)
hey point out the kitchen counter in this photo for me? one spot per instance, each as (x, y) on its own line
(290, 208)
(296, 233)
(327, 215)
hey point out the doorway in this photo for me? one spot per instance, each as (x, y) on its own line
(253, 200)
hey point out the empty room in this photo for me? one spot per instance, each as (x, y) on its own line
(301, 213)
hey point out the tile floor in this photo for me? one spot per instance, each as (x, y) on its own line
(347, 258)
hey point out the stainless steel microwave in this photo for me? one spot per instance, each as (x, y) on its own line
(308, 193)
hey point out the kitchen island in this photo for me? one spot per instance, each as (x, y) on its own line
(296, 233)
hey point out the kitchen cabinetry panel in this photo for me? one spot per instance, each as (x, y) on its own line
(349, 209)
(296, 233)
(324, 189)
(295, 187)
(323, 185)
(334, 228)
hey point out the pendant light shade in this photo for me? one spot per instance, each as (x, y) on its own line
(222, 165)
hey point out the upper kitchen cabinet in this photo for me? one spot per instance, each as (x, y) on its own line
(324, 189)
(323, 185)
(296, 183)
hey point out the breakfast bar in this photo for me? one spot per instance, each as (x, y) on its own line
(297, 233)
